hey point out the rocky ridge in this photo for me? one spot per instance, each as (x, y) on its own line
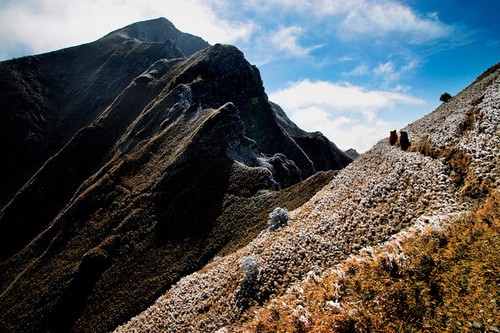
(453, 160)
(47, 98)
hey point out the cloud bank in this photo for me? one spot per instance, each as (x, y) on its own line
(349, 115)
(33, 26)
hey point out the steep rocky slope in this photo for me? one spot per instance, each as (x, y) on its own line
(47, 98)
(179, 160)
(453, 163)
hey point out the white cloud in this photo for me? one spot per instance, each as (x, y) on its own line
(36, 26)
(359, 70)
(286, 39)
(347, 114)
(385, 69)
(338, 97)
(266, 6)
(390, 74)
(345, 131)
(326, 21)
(364, 17)
(282, 43)
(345, 59)
(381, 17)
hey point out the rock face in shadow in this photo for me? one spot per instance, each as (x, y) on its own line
(323, 153)
(352, 153)
(47, 98)
(134, 160)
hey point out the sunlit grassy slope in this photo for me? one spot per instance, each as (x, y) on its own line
(444, 280)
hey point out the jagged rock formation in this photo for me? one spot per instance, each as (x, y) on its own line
(134, 160)
(453, 161)
(323, 154)
(352, 153)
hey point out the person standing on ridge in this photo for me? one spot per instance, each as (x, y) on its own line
(404, 142)
(393, 138)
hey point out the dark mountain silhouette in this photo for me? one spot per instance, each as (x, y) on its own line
(133, 161)
(47, 98)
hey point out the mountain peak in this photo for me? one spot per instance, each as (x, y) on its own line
(160, 30)
(157, 30)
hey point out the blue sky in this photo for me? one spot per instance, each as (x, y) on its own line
(351, 69)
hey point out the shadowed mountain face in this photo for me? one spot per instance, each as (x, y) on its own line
(46, 98)
(133, 160)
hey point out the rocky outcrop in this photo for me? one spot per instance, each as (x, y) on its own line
(352, 153)
(146, 182)
(323, 153)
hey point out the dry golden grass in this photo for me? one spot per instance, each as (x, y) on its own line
(441, 281)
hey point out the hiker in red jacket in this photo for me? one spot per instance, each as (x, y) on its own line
(393, 138)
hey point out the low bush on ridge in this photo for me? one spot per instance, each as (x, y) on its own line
(278, 218)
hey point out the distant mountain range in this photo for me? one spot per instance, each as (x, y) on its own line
(129, 163)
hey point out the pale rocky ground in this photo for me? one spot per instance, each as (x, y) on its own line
(385, 193)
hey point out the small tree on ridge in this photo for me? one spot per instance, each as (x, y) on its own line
(445, 97)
